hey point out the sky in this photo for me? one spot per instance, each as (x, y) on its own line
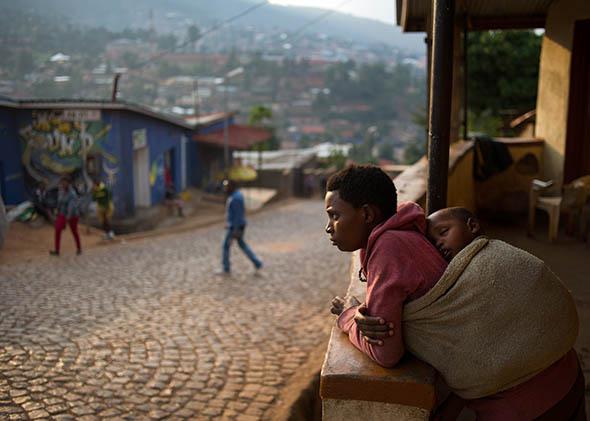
(383, 10)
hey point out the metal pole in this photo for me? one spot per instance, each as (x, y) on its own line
(439, 113)
(196, 110)
(115, 87)
(225, 133)
(428, 41)
(465, 78)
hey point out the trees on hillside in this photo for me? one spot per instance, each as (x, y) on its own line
(503, 71)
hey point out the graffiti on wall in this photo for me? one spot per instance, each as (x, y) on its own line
(60, 142)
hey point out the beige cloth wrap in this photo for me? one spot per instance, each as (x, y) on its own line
(497, 317)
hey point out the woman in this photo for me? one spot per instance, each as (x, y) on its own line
(67, 213)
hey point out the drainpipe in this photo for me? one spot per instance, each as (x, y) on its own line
(439, 113)
(465, 77)
(428, 41)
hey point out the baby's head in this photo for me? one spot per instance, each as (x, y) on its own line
(451, 229)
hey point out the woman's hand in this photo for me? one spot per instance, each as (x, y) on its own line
(337, 305)
(340, 304)
(373, 329)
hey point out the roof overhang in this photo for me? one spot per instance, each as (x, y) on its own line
(238, 136)
(482, 14)
(89, 104)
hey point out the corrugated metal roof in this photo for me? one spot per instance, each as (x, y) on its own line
(484, 14)
(239, 137)
(98, 104)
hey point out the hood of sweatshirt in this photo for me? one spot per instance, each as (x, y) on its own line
(409, 217)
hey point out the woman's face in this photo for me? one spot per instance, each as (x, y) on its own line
(346, 224)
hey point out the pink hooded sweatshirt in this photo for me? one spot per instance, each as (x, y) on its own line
(400, 265)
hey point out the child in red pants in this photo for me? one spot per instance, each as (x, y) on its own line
(67, 213)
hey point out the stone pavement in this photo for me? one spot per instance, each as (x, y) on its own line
(144, 330)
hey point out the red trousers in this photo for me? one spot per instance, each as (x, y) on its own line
(60, 225)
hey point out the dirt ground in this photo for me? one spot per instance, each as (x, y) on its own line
(25, 242)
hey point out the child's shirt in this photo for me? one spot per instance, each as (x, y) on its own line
(102, 196)
(67, 203)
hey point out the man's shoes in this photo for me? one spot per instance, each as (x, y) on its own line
(53, 253)
(224, 273)
(79, 252)
(257, 269)
(108, 235)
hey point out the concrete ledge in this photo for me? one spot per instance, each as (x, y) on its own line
(351, 381)
(352, 410)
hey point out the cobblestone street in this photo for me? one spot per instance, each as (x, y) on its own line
(145, 330)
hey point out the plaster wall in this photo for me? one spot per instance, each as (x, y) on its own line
(554, 82)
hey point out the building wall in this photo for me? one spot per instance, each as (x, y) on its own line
(43, 145)
(554, 76)
(211, 164)
(461, 188)
(161, 137)
(54, 142)
(11, 172)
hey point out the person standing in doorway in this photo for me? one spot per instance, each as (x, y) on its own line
(67, 214)
(104, 207)
(236, 226)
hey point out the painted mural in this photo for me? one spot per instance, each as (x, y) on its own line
(60, 142)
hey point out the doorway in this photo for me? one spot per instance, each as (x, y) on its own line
(2, 186)
(141, 177)
(577, 146)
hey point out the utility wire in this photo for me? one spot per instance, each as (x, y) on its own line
(207, 32)
(315, 20)
(134, 69)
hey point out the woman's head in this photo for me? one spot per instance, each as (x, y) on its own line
(358, 198)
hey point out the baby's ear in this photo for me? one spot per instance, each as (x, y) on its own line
(474, 226)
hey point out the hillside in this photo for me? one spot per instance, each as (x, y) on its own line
(117, 15)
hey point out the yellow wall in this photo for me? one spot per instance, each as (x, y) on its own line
(554, 74)
(503, 192)
(461, 190)
(508, 191)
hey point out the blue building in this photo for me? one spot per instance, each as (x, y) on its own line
(132, 148)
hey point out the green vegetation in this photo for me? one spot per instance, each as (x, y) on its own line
(259, 115)
(503, 71)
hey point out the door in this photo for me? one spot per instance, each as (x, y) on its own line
(141, 177)
(2, 186)
(577, 147)
(183, 158)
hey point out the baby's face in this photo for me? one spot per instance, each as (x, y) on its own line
(450, 235)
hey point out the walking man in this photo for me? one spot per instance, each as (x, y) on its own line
(236, 225)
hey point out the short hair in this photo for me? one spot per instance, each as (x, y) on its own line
(462, 214)
(365, 184)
